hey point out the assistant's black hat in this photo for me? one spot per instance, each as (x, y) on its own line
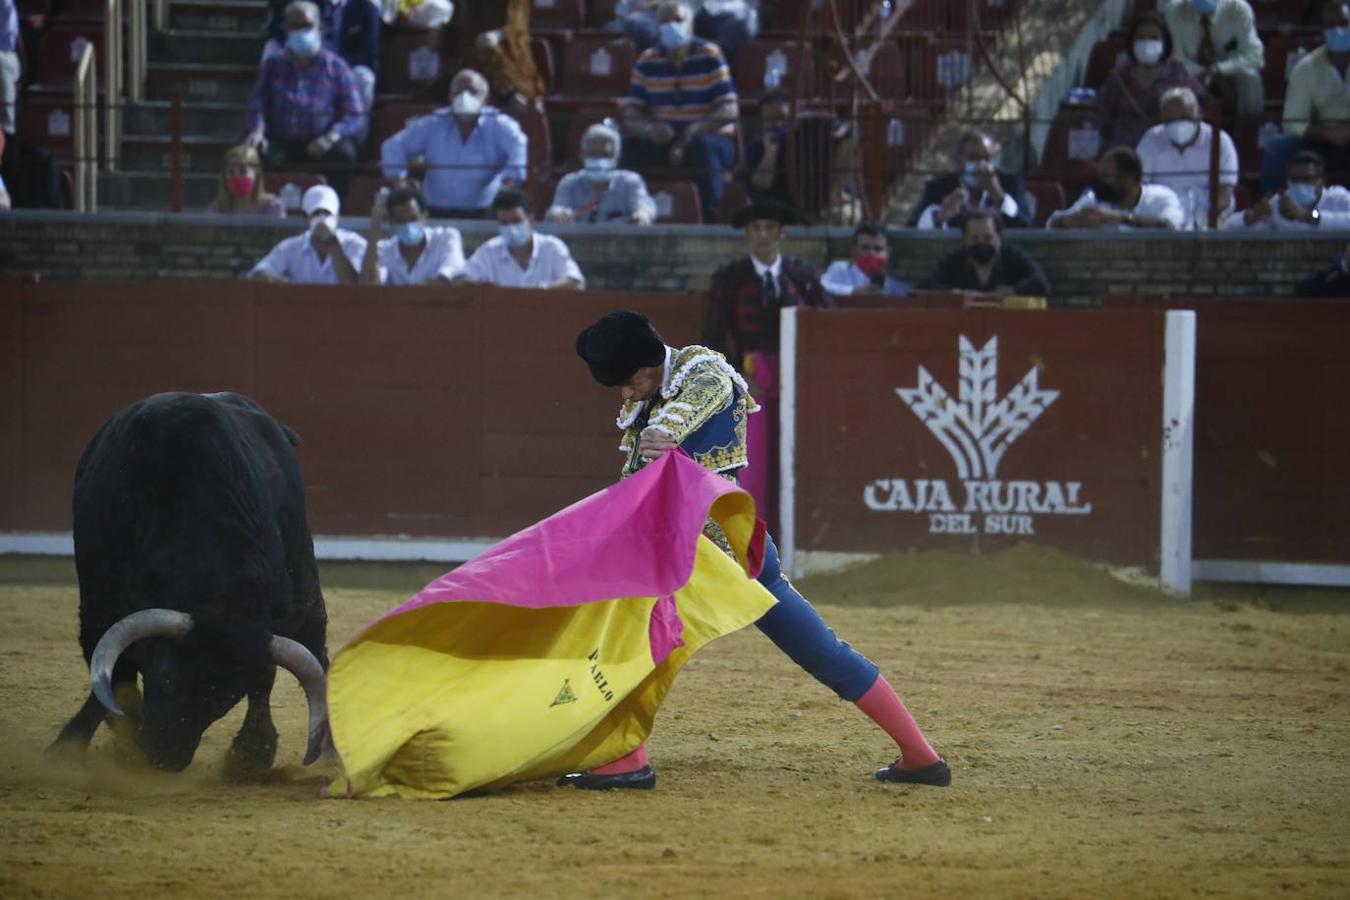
(764, 209)
(619, 344)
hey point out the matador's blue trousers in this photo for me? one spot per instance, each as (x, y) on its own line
(799, 631)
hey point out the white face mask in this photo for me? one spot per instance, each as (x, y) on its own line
(1182, 131)
(1148, 52)
(327, 220)
(467, 103)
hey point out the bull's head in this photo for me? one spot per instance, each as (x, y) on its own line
(183, 697)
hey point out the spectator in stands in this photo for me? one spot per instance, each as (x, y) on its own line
(1316, 104)
(1128, 101)
(984, 263)
(10, 70)
(1330, 282)
(494, 38)
(241, 187)
(743, 321)
(324, 254)
(766, 156)
(866, 272)
(417, 253)
(1176, 154)
(1118, 198)
(1306, 202)
(727, 23)
(472, 151)
(683, 110)
(1217, 41)
(978, 185)
(305, 104)
(519, 256)
(349, 28)
(602, 192)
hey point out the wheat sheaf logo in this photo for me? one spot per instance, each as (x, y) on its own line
(978, 428)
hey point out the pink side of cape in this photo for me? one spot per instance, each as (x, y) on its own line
(637, 538)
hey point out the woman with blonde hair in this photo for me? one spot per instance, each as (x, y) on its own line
(241, 187)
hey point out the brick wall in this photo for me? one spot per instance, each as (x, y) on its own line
(1081, 266)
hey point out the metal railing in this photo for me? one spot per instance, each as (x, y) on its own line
(86, 132)
(138, 38)
(112, 83)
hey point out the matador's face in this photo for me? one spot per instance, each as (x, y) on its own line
(643, 385)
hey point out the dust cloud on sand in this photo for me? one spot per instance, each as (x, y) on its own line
(1106, 741)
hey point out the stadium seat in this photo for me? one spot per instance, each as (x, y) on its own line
(48, 119)
(535, 126)
(677, 202)
(793, 14)
(361, 194)
(290, 186)
(557, 15)
(990, 15)
(1047, 197)
(60, 54)
(1283, 52)
(1071, 148)
(411, 61)
(542, 193)
(595, 66)
(767, 63)
(81, 9)
(392, 115)
(582, 119)
(541, 50)
(734, 199)
(1270, 13)
(883, 67)
(600, 13)
(1106, 55)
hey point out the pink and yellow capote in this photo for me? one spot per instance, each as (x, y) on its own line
(552, 651)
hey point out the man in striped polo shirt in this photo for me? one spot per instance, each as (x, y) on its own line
(682, 109)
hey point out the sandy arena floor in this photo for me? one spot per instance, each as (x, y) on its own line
(1106, 741)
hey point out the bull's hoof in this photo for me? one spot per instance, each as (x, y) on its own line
(249, 759)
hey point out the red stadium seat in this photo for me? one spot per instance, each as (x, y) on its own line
(61, 47)
(1071, 149)
(391, 116)
(766, 63)
(1048, 197)
(412, 62)
(1106, 55)
(48, 119)
(541, 51)
(883, 67)
(535, 126)
(677, 202)
(595, 66)
(557, 15)
(542, 194)
(1279, 12)
(82, 9)
(361, 194)
(600, 13)
(1282, 54)
(582, 119)
(290, 186)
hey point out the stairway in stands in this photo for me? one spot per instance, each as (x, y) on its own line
(210, 54)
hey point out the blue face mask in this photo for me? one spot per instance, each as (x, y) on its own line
(674, 34)
(1338, 39)
(305, 42)
(1305, 195)
(1205, 7)
(599, 168)
(409, 234)
(517, 235)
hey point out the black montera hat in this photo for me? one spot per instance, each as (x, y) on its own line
(764, 209)
(618, 345)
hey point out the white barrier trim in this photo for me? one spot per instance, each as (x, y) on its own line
(1250, 571)
(1178, 444)
(787, 440)
(380, 549)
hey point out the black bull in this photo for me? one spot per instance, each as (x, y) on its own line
(197, 572)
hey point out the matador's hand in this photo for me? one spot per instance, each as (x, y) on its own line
(655, 442)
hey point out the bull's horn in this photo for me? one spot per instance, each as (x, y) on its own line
(126, 631)
(295, 658)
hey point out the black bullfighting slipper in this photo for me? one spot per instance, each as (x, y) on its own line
(936, 775)
(643, 779)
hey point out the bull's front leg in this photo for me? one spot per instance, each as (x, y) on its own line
(255, 746)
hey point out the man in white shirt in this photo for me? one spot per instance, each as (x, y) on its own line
(1306, 203)
(865, 272)
(1217, 41)
(1119, 199)
(1176, 154)
(1316, 104)
(417, 253)
(519, 256)
(324, 254)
